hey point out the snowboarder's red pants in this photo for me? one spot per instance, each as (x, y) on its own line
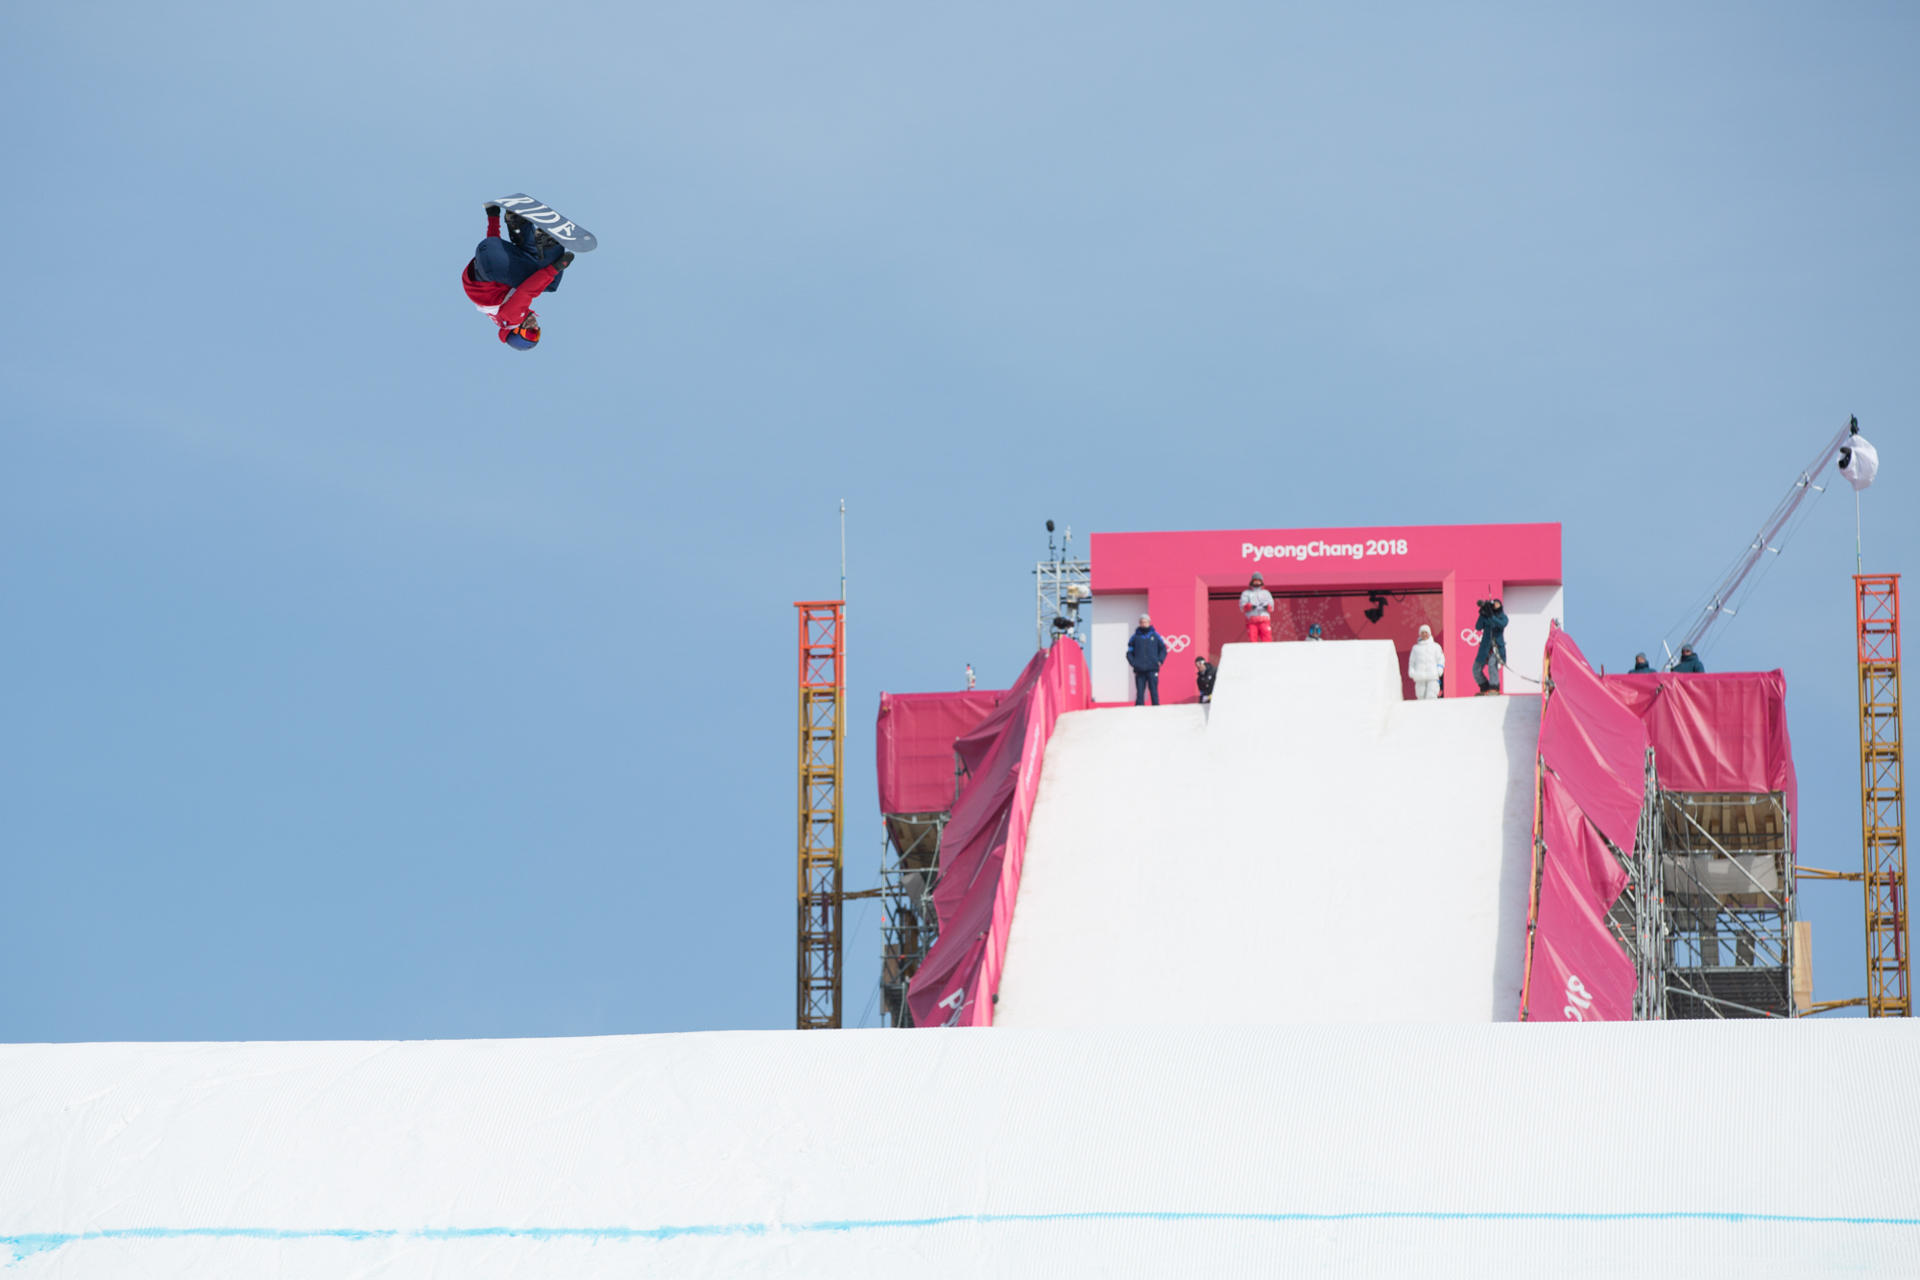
(1260, 630)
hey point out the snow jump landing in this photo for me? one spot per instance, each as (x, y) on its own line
(1309, 848)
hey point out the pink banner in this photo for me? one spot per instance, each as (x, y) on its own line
(1715, 732)
(984, 846)
(1592, 780)
(1596, 745)
(913, 745)
(1576, 842)
(1579, 972)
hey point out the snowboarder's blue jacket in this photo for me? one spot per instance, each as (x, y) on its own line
(1146, 650)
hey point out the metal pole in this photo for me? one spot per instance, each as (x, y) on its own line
(843, 607)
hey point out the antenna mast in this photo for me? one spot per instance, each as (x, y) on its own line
(1061, 585)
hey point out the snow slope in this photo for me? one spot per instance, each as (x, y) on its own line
(1419, 1144)
(1310, 848)
(1151, 1152)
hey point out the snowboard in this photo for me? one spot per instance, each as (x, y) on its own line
(567, 232)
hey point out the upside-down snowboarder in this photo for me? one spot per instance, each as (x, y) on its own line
(506, 275)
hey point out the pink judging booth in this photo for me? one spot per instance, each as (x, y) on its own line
(1379, 582)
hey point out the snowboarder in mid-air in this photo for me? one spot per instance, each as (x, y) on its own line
(506, 275)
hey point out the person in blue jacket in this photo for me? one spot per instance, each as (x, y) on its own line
(1689, 661)
(1492, 654)
(1641, 667)
(1145, 652)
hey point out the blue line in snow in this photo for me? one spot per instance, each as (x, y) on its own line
(24, 1244)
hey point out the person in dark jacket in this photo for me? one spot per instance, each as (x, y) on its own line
(1204, 674)
(1640, 667)
(1492, 654)
(1145, 652)
(1689, 661)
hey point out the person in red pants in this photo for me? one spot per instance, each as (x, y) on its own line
(1256, 606)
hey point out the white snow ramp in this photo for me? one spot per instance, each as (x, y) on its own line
(1523, 1150)
(1310, 848)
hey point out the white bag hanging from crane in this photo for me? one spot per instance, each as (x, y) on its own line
(1859, 461)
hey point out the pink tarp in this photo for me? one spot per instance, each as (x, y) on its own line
(1593, 757)
(1716, 732)
(1596, 745)
(913, 745)
(1578, 972)
(984, 845)
(1708, 733)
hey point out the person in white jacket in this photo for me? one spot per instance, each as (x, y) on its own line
(1425, 663)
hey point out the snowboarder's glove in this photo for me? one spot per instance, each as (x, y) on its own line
(493, 211)
(565, 260)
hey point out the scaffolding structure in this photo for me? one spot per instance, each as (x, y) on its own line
(822, 740)
(1062, 584)
(1708, 911)
(909, 870)
(1636, 919)
(1882, 794)
(1727, 878)
(1707, 914)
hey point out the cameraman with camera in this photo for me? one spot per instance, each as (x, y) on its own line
(1492, 654)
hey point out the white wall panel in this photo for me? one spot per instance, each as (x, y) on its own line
(1114, 618)
(1530, 613)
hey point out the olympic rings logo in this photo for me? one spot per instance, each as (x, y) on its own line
(1470, 636)
(1176, 644)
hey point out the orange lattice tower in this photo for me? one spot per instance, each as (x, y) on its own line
(1882, 791)
(823, 689)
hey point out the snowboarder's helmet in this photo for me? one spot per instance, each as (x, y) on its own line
(523, 336)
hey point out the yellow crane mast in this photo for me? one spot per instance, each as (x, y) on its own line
(823, 689)
(1882, 795)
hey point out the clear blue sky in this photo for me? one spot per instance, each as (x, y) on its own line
(359, 677)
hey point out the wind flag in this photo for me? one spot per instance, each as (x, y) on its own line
(1859, 461)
